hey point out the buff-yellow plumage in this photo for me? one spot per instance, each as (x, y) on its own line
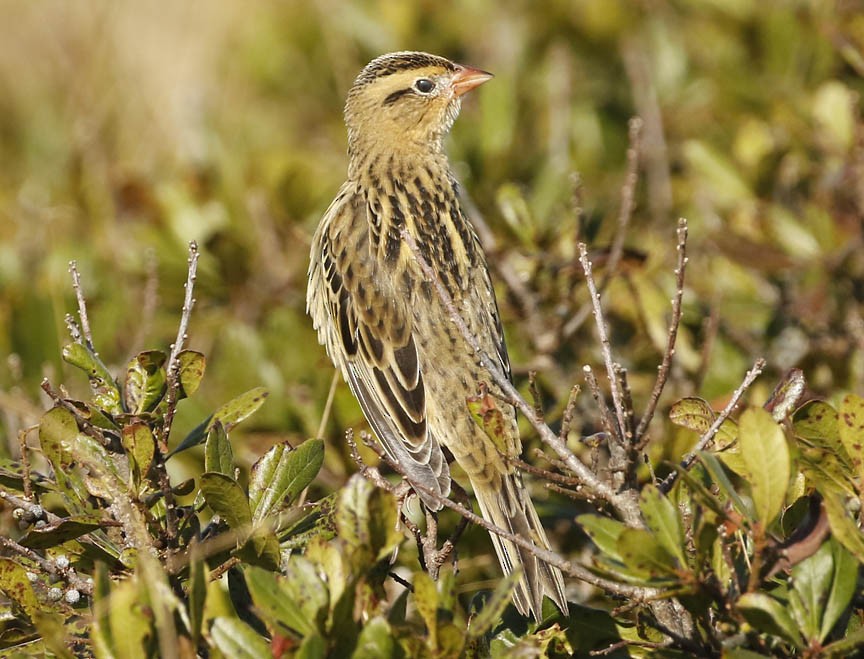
(383, 324)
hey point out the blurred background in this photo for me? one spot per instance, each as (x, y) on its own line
(128, 129)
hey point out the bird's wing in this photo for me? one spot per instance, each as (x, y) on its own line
(366, 325)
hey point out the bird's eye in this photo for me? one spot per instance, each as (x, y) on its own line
(424, 85)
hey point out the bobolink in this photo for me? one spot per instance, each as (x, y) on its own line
(382, 322)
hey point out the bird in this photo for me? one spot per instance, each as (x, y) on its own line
(388, 330)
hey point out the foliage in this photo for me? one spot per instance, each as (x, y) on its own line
(129, 129)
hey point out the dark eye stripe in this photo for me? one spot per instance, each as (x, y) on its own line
(395, 96)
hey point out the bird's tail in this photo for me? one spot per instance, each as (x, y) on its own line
(509, 507)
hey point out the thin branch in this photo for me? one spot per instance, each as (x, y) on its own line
(67, 574)
(546, 555)
(590, 480)
(708, 437)
(173, 388)
(172, 369)
(82, 306)
(672, 334)
(605, 346)
(86, 427)
(569, 412)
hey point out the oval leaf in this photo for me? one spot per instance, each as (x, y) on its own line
(218, 454)
(663, 521)
(851, 425)
(281, 474)
(766, 454)
(604, 532)
(145, 382)
(16, 585)
(767, 614)
(643, 555)
(275, 601)
(227, 499)
(229, 415)
(234, 638)
(190, 371)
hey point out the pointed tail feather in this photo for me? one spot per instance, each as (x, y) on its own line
(509, 507)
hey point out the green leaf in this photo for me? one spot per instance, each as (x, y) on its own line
(843, 528)
(604, 532)
(197, 588)
(643, 555)
(718, 475)
(140, 446)
(811, 580)
(696, 414)
(845, 647)
(145, 383)
(228, 500)
(218, 454)
(426, 602)
(851, 426)
(58, 431)
(817, 421)
(235, 639)
(766, 453)
(768, 615)
(843, 584)
(366, 521)
(100, 634)
(16, 585)
(375, 640)
(261, 548)
(307, 589)
(130, 618)
(275, 601)
(312, 647)
(190, 371)
(106, 393)
(64, 530)
(281, 474)
(494, 605)
(664, 521)
(229, 415)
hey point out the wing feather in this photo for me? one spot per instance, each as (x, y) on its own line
(366, 326)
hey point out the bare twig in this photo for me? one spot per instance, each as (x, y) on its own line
(173, 388)
(82, 306)
(672, 334)
(706, 439)
(68, 573)
(605, 347)
(569, 412)
(546, 555)
(626, 506)
(86, 427)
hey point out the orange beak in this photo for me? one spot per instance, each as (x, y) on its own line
(467, 78)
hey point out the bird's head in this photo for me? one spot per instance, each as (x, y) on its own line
(407, 101)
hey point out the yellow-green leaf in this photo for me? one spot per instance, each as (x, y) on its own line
(851, 424)
(766, 454)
